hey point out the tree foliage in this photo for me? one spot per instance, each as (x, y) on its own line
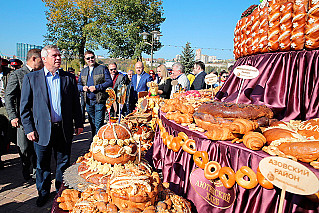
(114, 25)
(188, 58)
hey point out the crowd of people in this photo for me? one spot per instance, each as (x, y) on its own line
(43, 106)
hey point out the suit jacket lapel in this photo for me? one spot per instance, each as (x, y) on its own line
(43, 86)
(62, 81)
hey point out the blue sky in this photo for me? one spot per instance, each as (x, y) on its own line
(203, 23)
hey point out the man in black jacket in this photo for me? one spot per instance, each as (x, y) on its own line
(199, 71)
(93, 81)
(13, 95)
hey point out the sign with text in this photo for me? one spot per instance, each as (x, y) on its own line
(246, 72)
(212, 191)
(211, 79)
(290, 175)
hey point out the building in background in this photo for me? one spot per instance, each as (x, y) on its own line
(178, 58)
(22, 50)
(198, 54)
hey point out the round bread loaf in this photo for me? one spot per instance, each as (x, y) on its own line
(309, 128)
(115, 154)
(134, 188)
(232, 110)
(114, 131)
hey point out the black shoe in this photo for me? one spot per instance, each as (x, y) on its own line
(41, 201)
(26, 175)
(1, 165)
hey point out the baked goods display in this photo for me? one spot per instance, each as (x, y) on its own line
(279, 25)
(296, 140)
(120, 182)
(212, 169)
(227, 121)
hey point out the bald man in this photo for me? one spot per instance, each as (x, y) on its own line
(139, 81)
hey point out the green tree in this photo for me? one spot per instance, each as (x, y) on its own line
(126, 20)
(114, 25)
(188, 58)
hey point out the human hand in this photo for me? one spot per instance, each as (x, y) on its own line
(33, 136)
(92, 88)
(85, 88)
(78, 131)
(15, 122)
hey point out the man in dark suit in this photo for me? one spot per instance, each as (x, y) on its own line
(139, 82)
(117, 79)
(5, 130)
(200, 74)
(13, 95)
(49, 106)
(93, 82)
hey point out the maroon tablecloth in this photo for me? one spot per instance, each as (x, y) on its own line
(186, 180)
(288, 83)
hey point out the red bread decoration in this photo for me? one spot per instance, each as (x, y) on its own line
(299, 25)
(263, 29)
(312, 27)
(274, 27)
(249, 39)
(255, 31)
(285, 26)
(244, 36)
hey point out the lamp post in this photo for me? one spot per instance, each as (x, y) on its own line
(155, 38)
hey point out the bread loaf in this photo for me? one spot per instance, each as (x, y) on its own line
(232, 110)
(310, 128)
(303, 151)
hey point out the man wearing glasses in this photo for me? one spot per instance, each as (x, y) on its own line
(93, 81)
(117, 80)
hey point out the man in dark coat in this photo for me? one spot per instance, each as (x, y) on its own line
(13, 95)
(5, 129)
(200, 74)
(49, 108)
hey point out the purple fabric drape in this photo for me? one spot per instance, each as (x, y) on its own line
(177, 169)
(288, 83)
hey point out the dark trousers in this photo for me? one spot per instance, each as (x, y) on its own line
(26, 152)
(62, 152)
(97, 114)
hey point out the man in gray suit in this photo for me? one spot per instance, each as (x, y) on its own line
(12, 97)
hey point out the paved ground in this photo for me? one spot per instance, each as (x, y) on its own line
(17, 195)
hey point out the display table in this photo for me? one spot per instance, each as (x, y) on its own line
(187, 180)
(288, 83)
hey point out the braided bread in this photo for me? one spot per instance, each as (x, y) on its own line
(312, 27)
(263, 30)
(285, 26)
(249, 39)
(244, 36)
(255, 31)
(274, 27)
(299, 25)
